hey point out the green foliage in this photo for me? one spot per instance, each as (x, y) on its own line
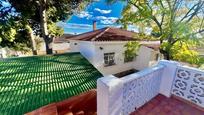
(35, 14)
(7, 24)
(56, 10)
(7, 33)
(142, 36)
(55, 30)
(15, 36)
(131, 49)
(181, 51)
(201, 62)
(170, 20)
(202, 67)
(13, 31)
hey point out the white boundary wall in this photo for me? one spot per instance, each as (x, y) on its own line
(121, 96)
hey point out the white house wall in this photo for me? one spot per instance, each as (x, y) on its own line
(143, 58)
(87, 49)
(57, 48)
(109, 47)
(94, 52)
(61, 46)
(74, 46)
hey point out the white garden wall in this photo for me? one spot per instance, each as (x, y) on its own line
(57, 48)
(121, 96)
(2, 53)
(189, 85)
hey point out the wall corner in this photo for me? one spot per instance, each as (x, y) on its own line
(109, 95)
(167, 77)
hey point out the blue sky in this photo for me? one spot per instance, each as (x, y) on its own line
(103, 13)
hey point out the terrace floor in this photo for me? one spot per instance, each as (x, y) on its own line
(85, 104)
(162, 105)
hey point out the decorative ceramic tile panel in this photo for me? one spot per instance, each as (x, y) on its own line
(141, 90)
(189, 84)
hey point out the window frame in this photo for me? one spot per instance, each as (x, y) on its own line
(109, 59)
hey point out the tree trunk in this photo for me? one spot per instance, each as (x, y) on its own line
(32, 40)
(165, 54)
(43, 24)
(33, 44)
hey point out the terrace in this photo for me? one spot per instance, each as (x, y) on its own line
(57, 84)
(165, 89)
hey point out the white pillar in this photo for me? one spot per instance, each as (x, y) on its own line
(168, 76)
(109, 95)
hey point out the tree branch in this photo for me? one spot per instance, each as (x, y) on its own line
(196, 11)
(186, 15)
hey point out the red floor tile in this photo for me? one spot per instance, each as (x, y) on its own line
(85, 104)
(167, 106)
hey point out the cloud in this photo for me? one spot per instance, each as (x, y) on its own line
(103, 11)
(77, 26)
(84, 14)
(106, 20)
(73, 25)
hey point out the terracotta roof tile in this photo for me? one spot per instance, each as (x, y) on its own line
(106, 34)
(63, 38)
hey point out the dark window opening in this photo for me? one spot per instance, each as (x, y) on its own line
(109, 59)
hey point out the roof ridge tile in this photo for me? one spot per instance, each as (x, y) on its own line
(100, 34)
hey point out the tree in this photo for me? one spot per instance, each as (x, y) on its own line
(15, 31)
(170, 20)
(180, 51)
(41, 15)
(12, 29)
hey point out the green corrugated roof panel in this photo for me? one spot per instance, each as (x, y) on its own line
(28, 83)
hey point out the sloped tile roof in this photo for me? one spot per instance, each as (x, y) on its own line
(63, 38)
(28, 83)
(106, 34)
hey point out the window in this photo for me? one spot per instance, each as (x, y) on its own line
(109, 59)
